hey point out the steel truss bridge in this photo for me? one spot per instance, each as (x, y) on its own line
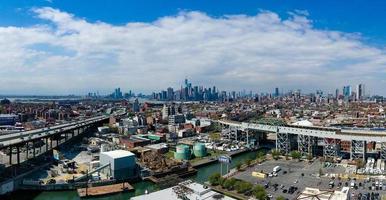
(307, 138)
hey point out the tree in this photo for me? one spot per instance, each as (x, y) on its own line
(296, 155)
(280, 198)
(248, 161)
(238, 166)
(309, 157)
(243, 186)
(229, 184)
(261, 155)
(275, 154)
(214, 136)
(359, 163)
(259, 192)
(214, 179)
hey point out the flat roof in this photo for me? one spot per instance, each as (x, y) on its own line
(194, 191)
(118, 153)
(317, 194)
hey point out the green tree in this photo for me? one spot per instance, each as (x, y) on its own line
(275, 154)
(280, 198)
(215, 179)
(221, 181)
(359, 163)
(214, 136)
(259, 192)
(238, 166)
(309, 157)
(296, 155)
(243, 186)
(261, 155)
(248, 161)
(229, 184)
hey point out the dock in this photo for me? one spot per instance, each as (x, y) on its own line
(152, 179)
(104, 190)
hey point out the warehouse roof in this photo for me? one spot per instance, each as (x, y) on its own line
(188, 190)
(118, 153)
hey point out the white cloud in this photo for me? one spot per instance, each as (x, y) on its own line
(71, 55)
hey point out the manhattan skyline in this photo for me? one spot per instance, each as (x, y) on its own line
(53, 48)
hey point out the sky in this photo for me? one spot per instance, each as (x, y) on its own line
(75, 47)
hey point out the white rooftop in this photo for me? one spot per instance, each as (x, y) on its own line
(118, 153)
(303, 123)
(316, 194)
(191, 190)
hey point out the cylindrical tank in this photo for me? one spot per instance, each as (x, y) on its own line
(182, 152)
(199, 150)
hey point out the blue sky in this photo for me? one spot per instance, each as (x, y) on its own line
(354, 28)
(358, 16)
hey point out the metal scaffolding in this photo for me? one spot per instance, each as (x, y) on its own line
(383, 150)
(358, 150)
(331, 147)
(306, 144)
(283, 142)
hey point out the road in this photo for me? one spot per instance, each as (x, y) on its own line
(15, 138)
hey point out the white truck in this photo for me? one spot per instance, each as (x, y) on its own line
(276, 169)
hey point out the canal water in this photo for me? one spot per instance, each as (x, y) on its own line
(201, 177)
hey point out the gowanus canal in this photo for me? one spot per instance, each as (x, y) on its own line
(202, 176)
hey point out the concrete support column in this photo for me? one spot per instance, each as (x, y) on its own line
(10, 155)
(46, 144)
(27, 150)
(34, 149)
(18, 155)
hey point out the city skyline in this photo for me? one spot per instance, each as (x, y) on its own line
(253, 49)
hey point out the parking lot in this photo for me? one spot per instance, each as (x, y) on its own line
(299, 175)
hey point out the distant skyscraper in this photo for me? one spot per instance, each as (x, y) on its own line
(117, 93)
(170, 94)
(276, 92)
(136, 106)
(347, 92)
(337, 93)
(360, 93)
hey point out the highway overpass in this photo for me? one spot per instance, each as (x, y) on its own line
(51, 135)
(307, 137)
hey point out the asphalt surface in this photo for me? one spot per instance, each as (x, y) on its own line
(301, 175)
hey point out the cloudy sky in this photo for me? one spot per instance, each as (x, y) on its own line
(49, 48)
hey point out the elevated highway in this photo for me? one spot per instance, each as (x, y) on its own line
(307, 137)
(18, 147)
(26, 136)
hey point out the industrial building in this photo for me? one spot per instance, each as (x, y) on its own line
(159, 148)
(184, 190)
(122, 164)
(8, 119)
